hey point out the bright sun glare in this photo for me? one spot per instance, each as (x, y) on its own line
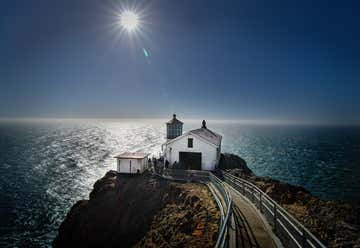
(129, 20)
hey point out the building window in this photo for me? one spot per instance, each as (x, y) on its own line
(190, 142)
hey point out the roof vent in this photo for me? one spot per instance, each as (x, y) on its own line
(203, 124)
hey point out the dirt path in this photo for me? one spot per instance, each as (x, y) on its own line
(248, 228)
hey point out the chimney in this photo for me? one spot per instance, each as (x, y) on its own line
(174, 116)
(203, 124)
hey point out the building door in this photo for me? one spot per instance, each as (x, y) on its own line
(130, 166)
(190, 160)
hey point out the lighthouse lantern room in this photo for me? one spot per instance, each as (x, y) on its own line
(174, 128)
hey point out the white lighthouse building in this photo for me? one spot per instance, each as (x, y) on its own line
(197, 149)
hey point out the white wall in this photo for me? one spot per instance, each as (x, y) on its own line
(123, 165)
(209, 153)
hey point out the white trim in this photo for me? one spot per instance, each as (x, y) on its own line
(190, 133)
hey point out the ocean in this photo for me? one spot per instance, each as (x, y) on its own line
(48, 165)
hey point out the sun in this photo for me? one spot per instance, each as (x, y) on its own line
(129, 20)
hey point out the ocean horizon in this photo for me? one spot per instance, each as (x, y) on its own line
(48, 165)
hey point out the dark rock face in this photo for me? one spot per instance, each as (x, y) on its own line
(231, 161)
(336, 223)
(121, 211)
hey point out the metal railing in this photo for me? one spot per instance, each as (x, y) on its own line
(290, 231)
(223, 237)
(186, 175)
(220, 193)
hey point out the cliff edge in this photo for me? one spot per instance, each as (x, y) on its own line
(141, 211)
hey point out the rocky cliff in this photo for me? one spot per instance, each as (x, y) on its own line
(141, 211)
(336, 223)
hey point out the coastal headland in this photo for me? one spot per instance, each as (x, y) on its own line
(148, 211)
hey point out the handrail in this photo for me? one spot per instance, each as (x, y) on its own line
(224, 194)
(222, 238)
(290, 231)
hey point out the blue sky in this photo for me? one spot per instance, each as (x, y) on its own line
(296, 60)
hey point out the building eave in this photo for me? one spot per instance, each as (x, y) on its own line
(190, 133)
(134, 156)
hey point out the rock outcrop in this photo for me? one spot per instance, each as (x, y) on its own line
(336, 223)
(141, 211)
(231, 161)
(190, 219)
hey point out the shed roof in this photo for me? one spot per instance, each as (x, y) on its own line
(208, 135)
(133, 155)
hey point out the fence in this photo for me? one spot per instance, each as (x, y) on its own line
(186, 175)
(221, 194)
(290, 231)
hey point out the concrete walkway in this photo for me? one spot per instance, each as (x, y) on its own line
(248, 228)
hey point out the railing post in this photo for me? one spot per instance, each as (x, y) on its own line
(252, 194)
(303, 241)
(275, 211)
(260, 205)
(227, 237)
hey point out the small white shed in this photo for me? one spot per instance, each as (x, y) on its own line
(132, 163)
